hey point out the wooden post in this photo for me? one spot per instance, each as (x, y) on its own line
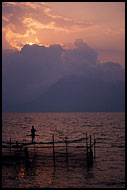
(66, 149)
(34, 146)
(34, 150)
(94, 147)
(91, 152)
(87, 145)
(90, 142)
(10, 146)
(86, 141)
(26, 157)
(17, 145)
(53, 150)
(17, 152)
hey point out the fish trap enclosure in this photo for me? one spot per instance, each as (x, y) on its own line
(62, 153)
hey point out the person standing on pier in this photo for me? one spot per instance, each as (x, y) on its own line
(33, 133)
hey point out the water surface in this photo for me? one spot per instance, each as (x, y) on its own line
(108, 169)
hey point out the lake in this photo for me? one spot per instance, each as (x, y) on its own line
(107, 170)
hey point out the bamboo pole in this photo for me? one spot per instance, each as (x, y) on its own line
(87, 145)
(17, 152)
(91, 152)
(53, 150)
(90, 142)
(94, 148)
(10, 146)
(17, 145)
(66, 149)
(86, 141)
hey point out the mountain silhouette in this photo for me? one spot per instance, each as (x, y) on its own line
(78, 94)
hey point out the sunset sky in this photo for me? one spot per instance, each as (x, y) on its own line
(100, 24)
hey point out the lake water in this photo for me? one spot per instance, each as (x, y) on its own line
(107, 171)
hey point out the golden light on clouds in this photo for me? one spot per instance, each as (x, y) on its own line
(101, 25)
(30, 43)
(35, 17)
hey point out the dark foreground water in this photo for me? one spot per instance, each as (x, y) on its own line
(107, 171)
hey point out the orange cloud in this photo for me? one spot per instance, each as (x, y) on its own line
(5, 19)
(17, 40)
(33, 17)
(102, 25)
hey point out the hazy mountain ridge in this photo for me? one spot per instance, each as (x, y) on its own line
(78, 94)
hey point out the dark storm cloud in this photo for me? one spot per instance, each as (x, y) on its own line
(27, 73)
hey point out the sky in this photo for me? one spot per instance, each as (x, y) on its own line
(99, 24)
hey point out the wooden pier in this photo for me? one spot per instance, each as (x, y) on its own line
(53, 153)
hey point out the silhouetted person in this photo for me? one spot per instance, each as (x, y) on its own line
(33, 133)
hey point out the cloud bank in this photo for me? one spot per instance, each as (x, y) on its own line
(32, 19)
(27, 74)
